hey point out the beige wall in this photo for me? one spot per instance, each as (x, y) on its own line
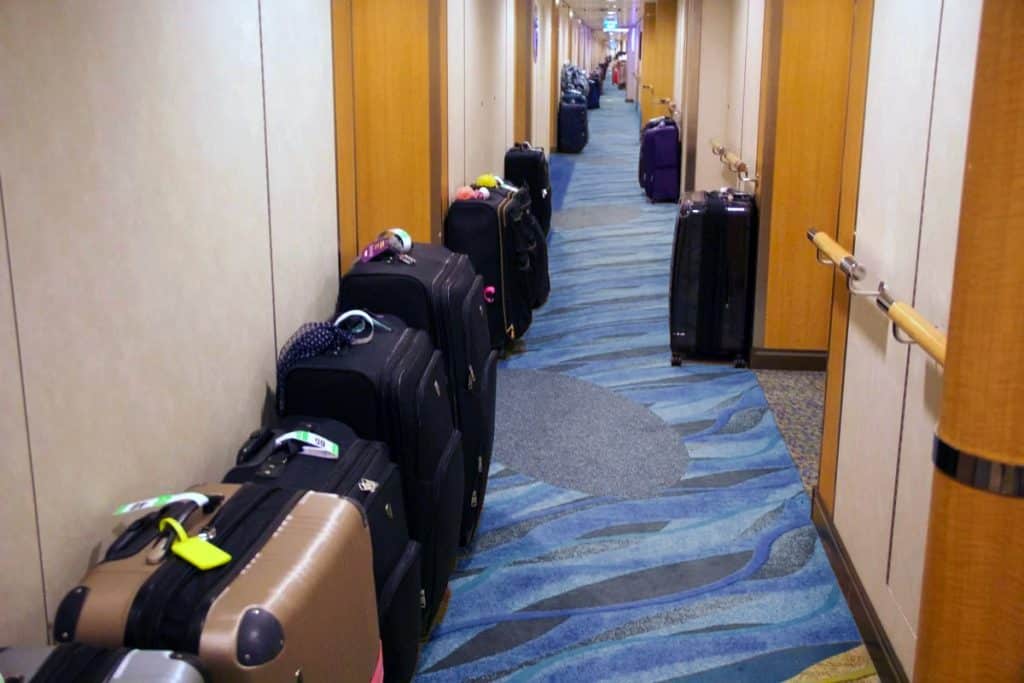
(480, 88)
(154, 216)
(915, 130)
(729, 91)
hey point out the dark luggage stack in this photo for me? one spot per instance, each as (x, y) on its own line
(573, 128)
(440, 292)
(594, 94)
(660, 159)
(711, 300)
(507, 247)
(527, 167)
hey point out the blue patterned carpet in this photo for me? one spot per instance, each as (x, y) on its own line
(720, 577)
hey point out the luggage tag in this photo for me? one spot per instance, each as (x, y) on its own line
(392, 240)
(160, 501)
(316, 445)
(195, 550)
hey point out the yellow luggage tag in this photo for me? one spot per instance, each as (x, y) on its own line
(195, 550)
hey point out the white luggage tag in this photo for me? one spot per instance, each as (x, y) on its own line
(160, 501)
(316, 445)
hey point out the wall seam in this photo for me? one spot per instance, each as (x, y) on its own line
(334, 140)
(266, 162)
(913, 295)
(24, 410)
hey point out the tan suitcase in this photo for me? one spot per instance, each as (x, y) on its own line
(296, 601)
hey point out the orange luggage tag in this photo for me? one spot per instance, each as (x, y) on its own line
(195, 550)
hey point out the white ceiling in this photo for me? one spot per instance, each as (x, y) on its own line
(593, 12)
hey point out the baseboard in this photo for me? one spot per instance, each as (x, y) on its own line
(875, 639)
(787, 359)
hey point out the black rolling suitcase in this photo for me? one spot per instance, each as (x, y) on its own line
(594, 94)
(507, 247)
(656, 122)
(573, 132)
(711, 300)
(440, 292)
(528, 167)
(394, 388)
(327, 456)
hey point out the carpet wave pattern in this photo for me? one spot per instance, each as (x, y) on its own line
(719, 576)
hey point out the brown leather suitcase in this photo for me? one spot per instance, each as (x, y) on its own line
(296, 601)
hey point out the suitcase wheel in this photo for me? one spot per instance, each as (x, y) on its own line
(740, 363)
(677, 360)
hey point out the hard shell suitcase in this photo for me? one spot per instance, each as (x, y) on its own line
(363, 472)
(395, 389)
(506, 245)
(594, 94)
(660, 155)
(86, 664)
(573, 133)
(441, 293)
(652, 123)
(296, 594)
(528, 167)
(711, 301)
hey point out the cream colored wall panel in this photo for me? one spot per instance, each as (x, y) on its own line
(951, 111)
(487, 74)
(133, 165)
(733, 134)
(23, 618)
(895, 147)
(456, 11)
(508, 52)
(632, 64)
(680, 69)
(300, 154)
(713, 98)
(542, 75)
(753, 38)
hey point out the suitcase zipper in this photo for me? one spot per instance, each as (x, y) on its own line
(510, 330)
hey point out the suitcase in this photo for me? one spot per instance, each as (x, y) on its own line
(594, 94)
(364, 473)
(660, 158)
(395, 389)
(656, 121)
(507, 247)
(528, 167)
(442, 294)
(86, 664)
(572, 127)
(295, 595)
(574, 97)
(711, 300)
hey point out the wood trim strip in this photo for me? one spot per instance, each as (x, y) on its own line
(344, 132)
(849, 194)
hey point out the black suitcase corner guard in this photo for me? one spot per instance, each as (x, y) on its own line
(66, 620)
(260, 637)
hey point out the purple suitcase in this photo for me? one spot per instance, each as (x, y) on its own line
(661, 155)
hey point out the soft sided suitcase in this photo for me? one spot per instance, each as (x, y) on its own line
(394, 389)
(656, 121)
(440, 292)
(85, 664)
(660, 157)
(296, 593)
(573, 133)
(594, 94)
(528, 167)
(506, 245)
(324, 455)
(711, 301)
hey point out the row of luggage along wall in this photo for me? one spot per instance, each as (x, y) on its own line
(324, 554)
(580, 92)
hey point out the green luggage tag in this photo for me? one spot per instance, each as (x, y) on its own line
(197, 551)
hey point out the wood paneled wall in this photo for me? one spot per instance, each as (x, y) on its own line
(391, 154)
(648, 61)
(523, 88)
(806, 85)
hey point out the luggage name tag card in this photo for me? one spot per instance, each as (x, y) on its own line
(316, 445)
(160, 501)
(195, 550)
(375, 248)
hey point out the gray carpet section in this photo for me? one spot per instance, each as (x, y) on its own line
(580, 436)
(789, 553)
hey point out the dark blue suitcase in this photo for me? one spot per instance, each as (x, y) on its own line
(594, 94)
(573, 132)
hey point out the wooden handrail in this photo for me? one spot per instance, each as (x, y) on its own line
(838, 256)
(908, 320)
(732, 161)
